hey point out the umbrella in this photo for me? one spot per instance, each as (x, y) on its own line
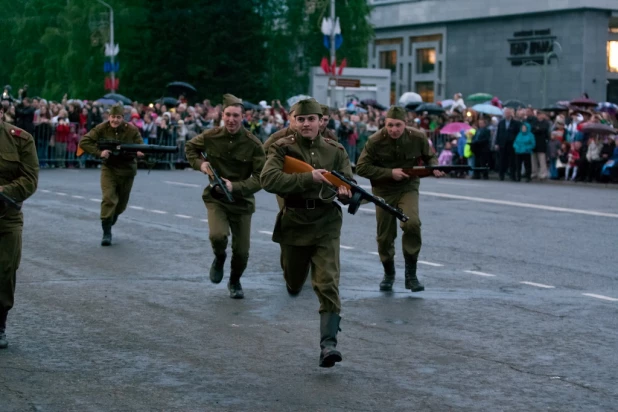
(555, 108)
(487, 109)
(295, 99)
(479, 97)
(168, 101)
(607, 107)
(410, 97)
(118, 98)
(447, 103)
(106, 102)
(430, 108)
(412, 106)
(455, 128)
(514, 104)
(250, 106)
(598, 128)
(178, 88)
(75, 101)
(372, 102)
(583, 102)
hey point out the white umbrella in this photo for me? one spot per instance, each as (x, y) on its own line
(447, 103)
(295, 99)
(488, 109)
(410, 97)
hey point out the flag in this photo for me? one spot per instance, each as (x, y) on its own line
(343, 64)
(324, 65)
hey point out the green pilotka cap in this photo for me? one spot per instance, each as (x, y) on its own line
(396, 112)
(308, 106)
(117, 110)
(293, 108)
(231, 100)
(325, 110)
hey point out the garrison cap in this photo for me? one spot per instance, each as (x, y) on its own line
(325, 110)
(117, 109)
(293, 108)
(396, 112)
(308, 106)
(231, 100)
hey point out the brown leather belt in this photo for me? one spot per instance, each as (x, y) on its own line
(308, 204)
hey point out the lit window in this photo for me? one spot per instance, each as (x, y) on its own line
(426, 90)
(612, 56)
(388, 60)
(425, 60)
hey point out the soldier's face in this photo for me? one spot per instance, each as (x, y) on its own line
(232, 117)
(308, 126)
(324, 123)
(292, 121)
(395, 128)
(115, 120)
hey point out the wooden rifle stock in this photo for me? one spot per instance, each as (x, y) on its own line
(424, 171)
(292, 165)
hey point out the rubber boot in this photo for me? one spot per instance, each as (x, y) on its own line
(216, 269)
(329, 326)
(4, 343)
(389, 276)
(107, 232)
(233, 285)
(412, 282)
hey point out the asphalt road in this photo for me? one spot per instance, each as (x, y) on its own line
(519, 313)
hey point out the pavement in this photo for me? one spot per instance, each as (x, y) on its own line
(519, 312)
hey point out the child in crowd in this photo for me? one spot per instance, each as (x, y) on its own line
(572, 161)
(446, 155)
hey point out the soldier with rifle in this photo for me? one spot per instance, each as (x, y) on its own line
(385, 159)
(19, 174)
(234, 159)
(118, 168)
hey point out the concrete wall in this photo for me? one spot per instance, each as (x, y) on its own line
(375, 84)
(478, 51)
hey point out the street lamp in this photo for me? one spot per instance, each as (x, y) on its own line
(111, 41)
(546, 58)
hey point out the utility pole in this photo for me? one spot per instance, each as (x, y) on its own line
(111, 41)
(333, 58)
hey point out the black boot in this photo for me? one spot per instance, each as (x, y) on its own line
(235, 289)
(3, 342)
(216, 269)
(238, 266)
(107, 232)
(329, 326)
(412, 282)
(389, 276)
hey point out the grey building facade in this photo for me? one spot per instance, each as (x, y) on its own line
(537, 51)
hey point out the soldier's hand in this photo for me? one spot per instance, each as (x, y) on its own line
(105, 154)
(399, 175)
(228, 184)
(318, 176)
(439, 173)
(343, 193)
(205, 167)
(140, 154)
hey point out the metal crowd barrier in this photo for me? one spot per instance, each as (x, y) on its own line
(54, 154)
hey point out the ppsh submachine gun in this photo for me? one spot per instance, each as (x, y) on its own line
(7, 202)
(129, 150)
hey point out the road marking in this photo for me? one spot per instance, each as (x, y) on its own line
(422, 262)
(539, 285)
(184, 216)
(520, 204)
(181, 184)
(474, 272)
(44, 191)
(346, 247)
(592, 295)
(204, 220)
(61, 194)
(96, 200)
(77, 197)
(266, 232)
(161, 212)
(136, 207)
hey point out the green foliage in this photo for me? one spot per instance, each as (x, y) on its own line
(255, 49)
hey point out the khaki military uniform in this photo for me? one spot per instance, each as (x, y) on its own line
(117, 172)
(240, 159)
(380, 156)
(19, 174)
(307, 228)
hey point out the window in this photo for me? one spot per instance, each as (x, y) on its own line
(388, 60)
(426, 90)
(425, 60)
(612, 56)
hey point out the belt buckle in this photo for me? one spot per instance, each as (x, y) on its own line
(310, 204)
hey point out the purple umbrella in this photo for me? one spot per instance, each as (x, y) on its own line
(598, 128)
(583, 102)
(455, 128)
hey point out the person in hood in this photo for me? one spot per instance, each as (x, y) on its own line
(523, 146)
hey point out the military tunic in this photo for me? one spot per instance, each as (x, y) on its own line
(19, 174)
(380, 156)
(238, 158)
(117, 172)
(308, 237)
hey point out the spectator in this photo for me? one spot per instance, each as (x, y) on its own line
(446, 155)
(61, 138)
(481, 148)
(593, 156)
(541, 129)
(508, 128)
(523, 147)
(572, 162)
(24, 115)
(553, 149)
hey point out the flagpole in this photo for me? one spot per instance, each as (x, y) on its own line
(333, 61)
